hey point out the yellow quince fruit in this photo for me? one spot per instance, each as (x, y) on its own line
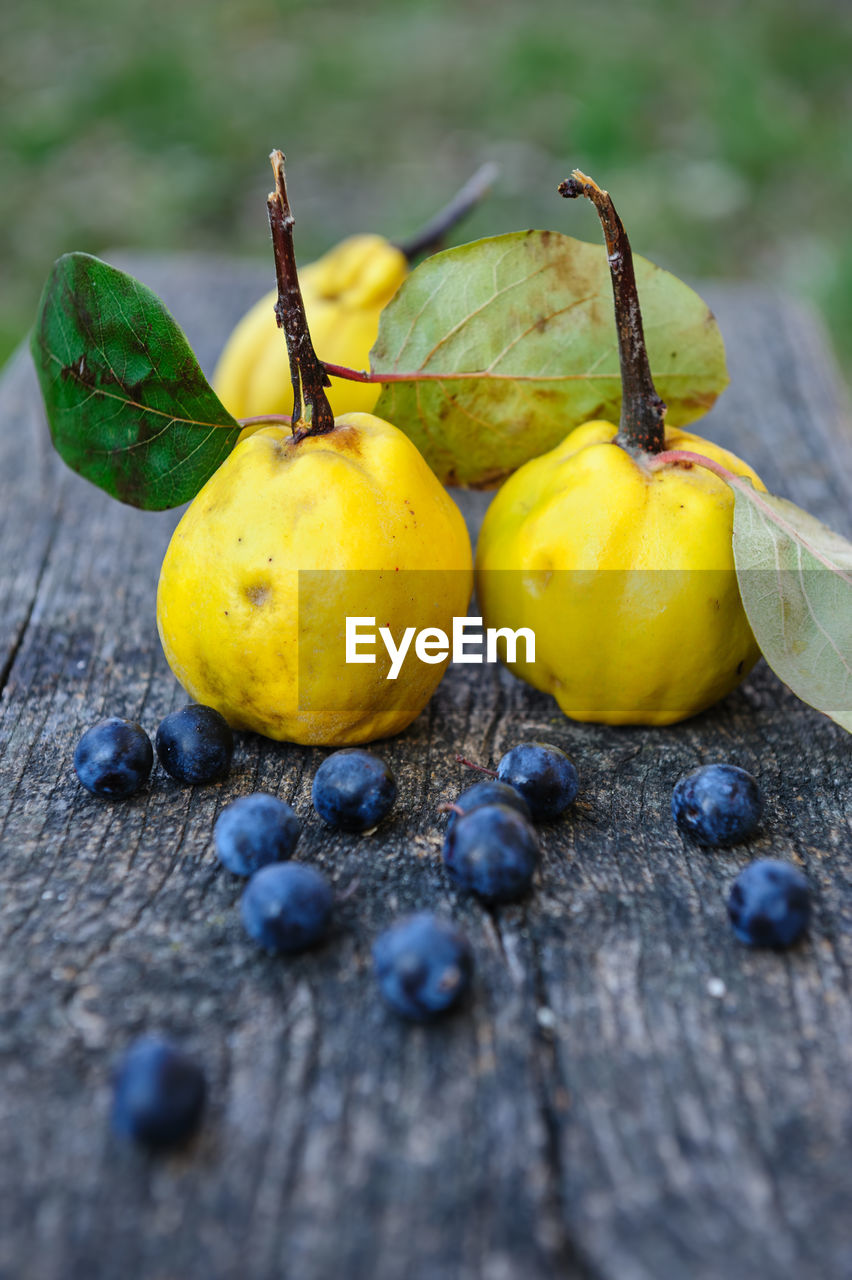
(300, 529)
(344, 293)
(285, 541)
(625, 575)
(615, 549)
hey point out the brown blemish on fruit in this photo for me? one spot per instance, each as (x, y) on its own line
(348, 439)
(254, 712)
(258, 593)
(210, 679)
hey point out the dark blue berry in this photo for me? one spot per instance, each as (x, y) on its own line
(195, 744)
(158, 1094)
(287, 907)
(719, 804)
(424, 966)
(114, 758)
(544, 775)
(353, 790)
(491, 792)
(253, 831)
(769, 904)
(492, 851)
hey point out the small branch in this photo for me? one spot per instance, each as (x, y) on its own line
(364, 375)
(642, 410)
(685, 458)
(308, 375)
(451, 808)
(283, 418)
(351, 375)
(431, 236)
(480, 768)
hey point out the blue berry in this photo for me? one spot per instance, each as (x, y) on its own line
(114, 758)
(544, 775)
(769, 904)
(195, 744)
(287, 907)
(490, 792)
(423, 965)
(253, 831)
(158, 1094)
(492, 851)
(719, 804)
(353, 790)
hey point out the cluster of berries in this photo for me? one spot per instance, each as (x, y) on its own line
(423, 963)
(769, 902)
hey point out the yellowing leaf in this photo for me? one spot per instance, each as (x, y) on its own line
(511, 343)
(795, 579)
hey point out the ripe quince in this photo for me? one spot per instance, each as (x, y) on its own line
(245, 634)
(344, 294)
(625, 575)
(622, 566)
(300, 528)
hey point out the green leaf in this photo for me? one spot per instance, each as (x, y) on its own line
(795, 579)
(511, 343)
(127, 404)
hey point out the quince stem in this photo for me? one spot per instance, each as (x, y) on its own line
(429, 237)
(642, 411)
(306, 370)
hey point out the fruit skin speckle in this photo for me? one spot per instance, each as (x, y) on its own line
(492, 851)
(253, 831)
(769, 904)
(423, 965)
(159, 1094)
(195, 745)
(287, 907)
(353, 790)
(114, 758)
(544, 775)
(718, 804)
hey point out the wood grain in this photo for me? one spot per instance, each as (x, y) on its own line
(629, 1094)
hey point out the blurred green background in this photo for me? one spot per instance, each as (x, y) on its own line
(722, 131)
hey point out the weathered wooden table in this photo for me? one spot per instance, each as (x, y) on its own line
(629, 1094)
